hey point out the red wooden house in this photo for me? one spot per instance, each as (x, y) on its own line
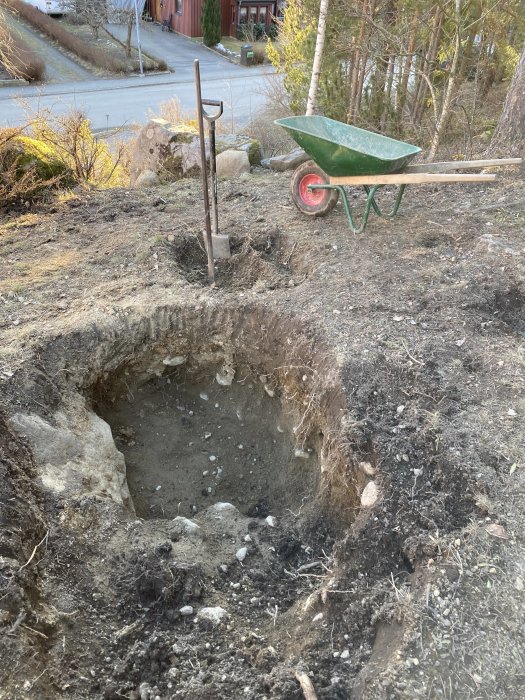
(186, 14)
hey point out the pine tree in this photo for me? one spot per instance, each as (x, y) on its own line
(211, 22)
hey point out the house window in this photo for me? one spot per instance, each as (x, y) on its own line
(243, 17)
(178, 7)
(253, 15)
(262, 15)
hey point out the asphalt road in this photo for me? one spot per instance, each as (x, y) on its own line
(127, 101)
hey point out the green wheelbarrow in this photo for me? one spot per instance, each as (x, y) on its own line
(344, 155)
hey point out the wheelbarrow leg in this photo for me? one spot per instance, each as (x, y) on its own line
(370, 202)
(375, 205)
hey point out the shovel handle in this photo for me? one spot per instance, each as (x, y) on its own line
(212, 103)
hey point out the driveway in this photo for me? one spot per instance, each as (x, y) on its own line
(179, 52)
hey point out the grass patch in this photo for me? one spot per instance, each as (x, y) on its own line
(33, 273)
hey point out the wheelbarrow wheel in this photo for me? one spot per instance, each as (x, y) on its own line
(312, 202)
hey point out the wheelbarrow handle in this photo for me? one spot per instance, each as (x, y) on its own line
(212, 103)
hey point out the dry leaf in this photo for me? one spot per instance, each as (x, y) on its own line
(497, 531)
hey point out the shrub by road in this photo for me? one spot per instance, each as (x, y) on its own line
(18, 59)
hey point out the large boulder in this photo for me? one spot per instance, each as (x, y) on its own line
(289, 161)
(171, 151)
(232, 163)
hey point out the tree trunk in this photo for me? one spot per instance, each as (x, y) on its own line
(451, 88)
(128, 37)
(509, 136)
(428, 66)
(407, 67)
(318, 57)
(353, 106)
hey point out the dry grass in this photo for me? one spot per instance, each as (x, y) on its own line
(18, 58)
(28, 275)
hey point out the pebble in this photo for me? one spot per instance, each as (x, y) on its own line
(207, 436)
(204, 396)
(270, 392)
(248, 538)
(212, 458)
(367, 468)
(370, 495)
(303, 454)
(226, 377)
(241, 553)
(186, 610)
(270, 521)
(317, 617)
(184, 525)
(174, 361)
(345, 654)
(158, 488)
(214, 615)
(205, 473)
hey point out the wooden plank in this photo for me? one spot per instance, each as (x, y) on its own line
(411, 178)
(446, 166)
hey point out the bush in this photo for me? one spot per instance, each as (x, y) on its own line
(272, 31)
(18, 59)
(24, 175)
(251, 32)
(68, 137)
(69, 41)
(259, 56)
(211, 22)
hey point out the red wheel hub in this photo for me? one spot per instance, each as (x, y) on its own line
(312, 198)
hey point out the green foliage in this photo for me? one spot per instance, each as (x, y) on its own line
(293, 55)
(272, 31)
(211, 22)
(387, 64)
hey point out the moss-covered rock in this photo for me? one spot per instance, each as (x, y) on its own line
(33, 154)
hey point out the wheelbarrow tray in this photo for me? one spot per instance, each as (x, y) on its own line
(343, 150)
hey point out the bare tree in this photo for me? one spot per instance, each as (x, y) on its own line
(94, 13)
(451, 86)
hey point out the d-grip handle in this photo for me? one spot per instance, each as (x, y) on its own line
(212, 103)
